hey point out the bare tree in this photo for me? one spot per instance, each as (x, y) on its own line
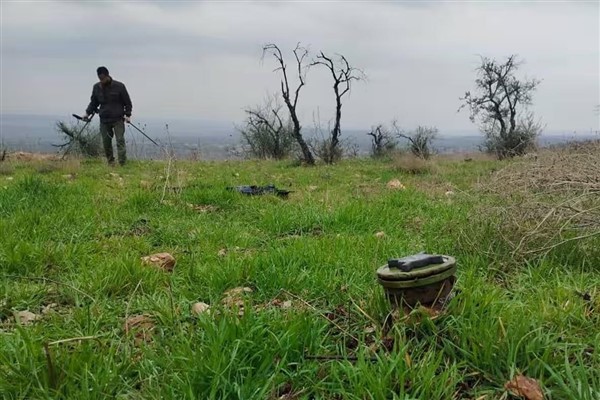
(86, 142)
(497, 104)
(343, 74)
(300, 53)
(266, 133)
(420, 140)
(382, 141)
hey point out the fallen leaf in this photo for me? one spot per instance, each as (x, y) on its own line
(286, 304)
(234, 298)
(373, 347)
(369, 329)
(525, 387)
(222, 253)
(395, 184)
(114, 175)
(200, 308)
(141, 326)
(431, 312)
(380, 234)
(164, 261)
(48, 308)
(408, 360)
(26, 317)
(449, 193)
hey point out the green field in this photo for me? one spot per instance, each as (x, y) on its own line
(316, 324)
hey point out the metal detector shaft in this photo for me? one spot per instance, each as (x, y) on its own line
(142, 132)
(87, 122)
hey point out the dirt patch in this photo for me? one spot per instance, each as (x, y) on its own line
(26, 156)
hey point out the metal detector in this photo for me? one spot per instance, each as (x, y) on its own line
(130, 123)
(87, 122)
(142, 132)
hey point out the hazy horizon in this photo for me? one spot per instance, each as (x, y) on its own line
(203, 59)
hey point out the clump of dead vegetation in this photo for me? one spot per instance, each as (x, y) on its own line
(409, 163)
(548, 199)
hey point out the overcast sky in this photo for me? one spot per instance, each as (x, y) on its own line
(203, 59)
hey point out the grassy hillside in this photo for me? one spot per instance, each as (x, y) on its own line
(315, 324)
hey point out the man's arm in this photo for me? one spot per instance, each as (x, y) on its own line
(93, 106)
(126, 101)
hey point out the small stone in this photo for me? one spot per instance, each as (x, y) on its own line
(200, 308)
(164, 261)
(26, 317)
(395, 184)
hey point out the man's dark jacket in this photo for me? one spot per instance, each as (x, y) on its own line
(113, 100)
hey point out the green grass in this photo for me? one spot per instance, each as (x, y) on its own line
(86, 235)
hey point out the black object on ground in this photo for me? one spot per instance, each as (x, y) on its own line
(252, 190)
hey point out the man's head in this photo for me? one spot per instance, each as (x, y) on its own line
(103, 75)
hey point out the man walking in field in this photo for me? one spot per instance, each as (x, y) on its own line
(115, 109)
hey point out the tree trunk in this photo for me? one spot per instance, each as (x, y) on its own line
(335, 134)
(308, 157)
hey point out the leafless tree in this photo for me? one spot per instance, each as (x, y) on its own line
(382, 140)
(420, 140)
(343, 74)
(266, 133)
(291, 99)
(498, 103)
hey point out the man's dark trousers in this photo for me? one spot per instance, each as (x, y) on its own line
(116, 129)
